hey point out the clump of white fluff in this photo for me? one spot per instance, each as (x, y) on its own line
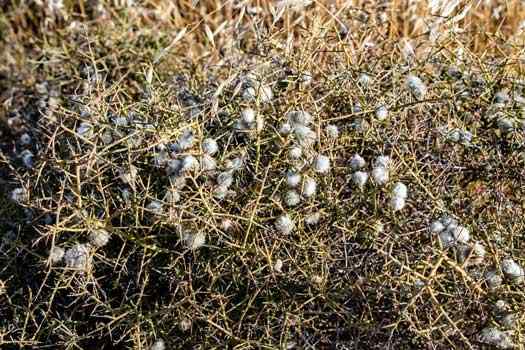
(293, 179)
(208, 163)
(194, 241)
(56, 254)
(360, 178)
(184, 142)
(77, 257)
(309, 187)
(295, 152)
(332, 131)
(292, 198)
(19, 195)
(158, 345)
(450, 232)
(312, 219)
(284, 224)
(399, 196)
(99, 237)
(512, 270)
(357, 162)
(296, 118)
(381, 113)
(380, 175)
(321, 164)
(416, 85)
(210, 146)
(304, 135)
(495, 337)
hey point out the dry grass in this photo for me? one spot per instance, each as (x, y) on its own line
(363, 277)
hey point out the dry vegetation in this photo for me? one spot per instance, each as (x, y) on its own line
(184, 175)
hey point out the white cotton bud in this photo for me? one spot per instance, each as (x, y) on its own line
(128, 177)
(364, 79)
(209, 146)
(493, 279)
(497, 338)
(309, 187)
(383, 161)
(158, 345)
(220, 192)
(416, 85)
(304, 135)
(234, 164)
(120, 121)
(292, 198)
(312, 219)
(225, 179)
(19, 195)
(27, 158)
(295, 152)
(461, 234)
(190, 163)
(278, 266)
(56, 254)
(321, 164)
(293, 179)
(85, 130)
(381, 113)
(185, 141)
(208, 163)
(332, 131)
(77, 257)
(99, 237)
(249, 94)
(436, 227)
(397, 203)
(360, 178)
(506, 125)
(512, 270)
(357, 162)
(446, 238)
(248, 116)
(380, 175)
(296, 118)
(400, 190)
(25, 139)
(285, 129)
(195, 241)
(155, 207)
(284, 224)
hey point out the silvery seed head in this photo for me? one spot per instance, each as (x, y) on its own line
(381, 113)
(295, 152)
(27, 158)
(220, 192)
(128, 176)
(292, 198)
(321, 164)
(400, 190)
(77, 257)
(447, 239)
(248, 116)
(360, 178)
(397, 203)
(506, 125)
(416, 85)
(293, 179)
(309, 187)
(208, 163)
(364, 80)
(306, 78)
(19, 195)
(436, 227)
(158, 345)
(285, 129)
(312, 219)
(461, 234)
(278, 266)
(190, 163)
(185, 141)
(225, 179)
(210, 146)
(172, 196)
(85, 130)
(380, 175)
(357, 162)
(512, 269)
(332, 131)
(194, 241)
(99, 238)
(493, 279)
(284, 224)
(296, 118)
(155, 207)
(383, 161)
(25, 139)
(56, 254)
(234, 164)
(495, 337)
(304, 135)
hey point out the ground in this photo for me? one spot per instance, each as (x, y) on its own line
(256, 174)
